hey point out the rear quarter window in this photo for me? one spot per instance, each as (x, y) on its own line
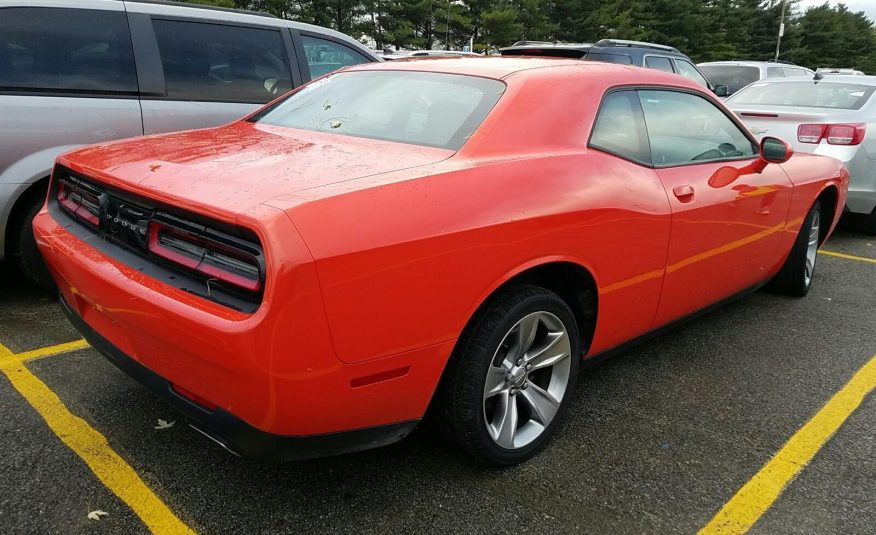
(66, 50)
(620, 127)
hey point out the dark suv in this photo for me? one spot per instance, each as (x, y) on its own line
(638, 53)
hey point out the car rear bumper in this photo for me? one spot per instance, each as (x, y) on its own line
(233, 433)
(272, 376)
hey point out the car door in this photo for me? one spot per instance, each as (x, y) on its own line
(727, 220)
(205, 73)
(67, 78)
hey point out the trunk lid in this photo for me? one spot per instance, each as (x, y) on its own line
(242, 164)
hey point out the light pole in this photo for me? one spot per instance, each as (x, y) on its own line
(781, 30)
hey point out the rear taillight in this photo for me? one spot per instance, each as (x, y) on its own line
(229, 263)
(79, 202)
(835, 134)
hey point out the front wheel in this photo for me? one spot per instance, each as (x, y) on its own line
(795, 277)
(508, 386)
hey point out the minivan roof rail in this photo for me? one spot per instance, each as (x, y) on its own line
(641, 44)
(203, 6)
(524, 43)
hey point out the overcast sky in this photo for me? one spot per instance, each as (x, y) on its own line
(867, 6)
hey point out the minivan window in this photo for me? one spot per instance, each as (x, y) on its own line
(622, 59)
(420, 108)
(815, 94)
(658, 62)
(735, 77)
(686, 69)
(215, 62)
(620, 127)
(685, 128)
(66, 50)
(324, 56)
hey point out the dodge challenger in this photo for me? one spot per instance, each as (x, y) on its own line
(451, 236)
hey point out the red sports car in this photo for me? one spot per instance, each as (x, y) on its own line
(453, 235)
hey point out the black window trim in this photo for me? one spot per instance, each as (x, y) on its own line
(162, 94)
(77, 93)
(678, 89)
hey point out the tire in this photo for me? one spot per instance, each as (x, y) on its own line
(870, 223)
(479, 416)
(795, 277)
(24, 248)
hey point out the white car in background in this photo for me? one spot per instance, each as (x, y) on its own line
(737, 74)
(833, 116)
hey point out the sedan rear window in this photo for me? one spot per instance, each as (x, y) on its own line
(735, 77)
(421, 108)
(808, 94)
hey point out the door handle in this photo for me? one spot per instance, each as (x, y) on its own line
(683, 193)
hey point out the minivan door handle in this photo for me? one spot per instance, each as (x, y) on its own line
(683, 193)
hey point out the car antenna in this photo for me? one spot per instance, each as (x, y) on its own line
(818, 76)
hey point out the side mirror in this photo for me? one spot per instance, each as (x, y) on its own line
(721, 90)
(772, 150)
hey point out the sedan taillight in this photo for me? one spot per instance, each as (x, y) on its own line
(835, 134)
(225, 262)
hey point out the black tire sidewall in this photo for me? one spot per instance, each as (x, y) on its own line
(489, 334)
(25, 251)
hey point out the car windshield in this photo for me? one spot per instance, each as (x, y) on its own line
(735, 77)
(806, 94)
(421, 108)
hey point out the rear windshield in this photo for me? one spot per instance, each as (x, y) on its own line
(421, 108)
(735, 77)
(573, 53)
(808, 94)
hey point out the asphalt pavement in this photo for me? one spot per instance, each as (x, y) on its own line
(657, 439)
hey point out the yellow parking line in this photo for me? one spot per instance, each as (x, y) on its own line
(848, 256)
(756, 496)
(92, 447)
(52, 350)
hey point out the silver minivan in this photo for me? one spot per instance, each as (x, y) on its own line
(75, 72)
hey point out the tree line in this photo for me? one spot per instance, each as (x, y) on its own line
(706, 30)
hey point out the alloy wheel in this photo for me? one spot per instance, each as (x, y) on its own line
(527, 380)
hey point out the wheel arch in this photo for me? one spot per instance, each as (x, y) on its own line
(573, 280)
(829, 198)
(20, 200)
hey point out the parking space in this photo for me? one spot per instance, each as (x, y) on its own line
(658, 439)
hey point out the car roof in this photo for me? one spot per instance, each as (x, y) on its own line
(502, 67)
(833, 78)
(583, 47)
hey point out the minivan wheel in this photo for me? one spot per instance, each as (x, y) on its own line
(870, 223)
(795, 277)
(507, 388)
(24, 248)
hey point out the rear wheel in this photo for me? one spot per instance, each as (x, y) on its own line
(506, 390)
(24, 247)
(795, 277)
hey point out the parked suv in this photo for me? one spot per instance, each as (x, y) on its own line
(75, 72)
(737, 74)
(638, 53)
